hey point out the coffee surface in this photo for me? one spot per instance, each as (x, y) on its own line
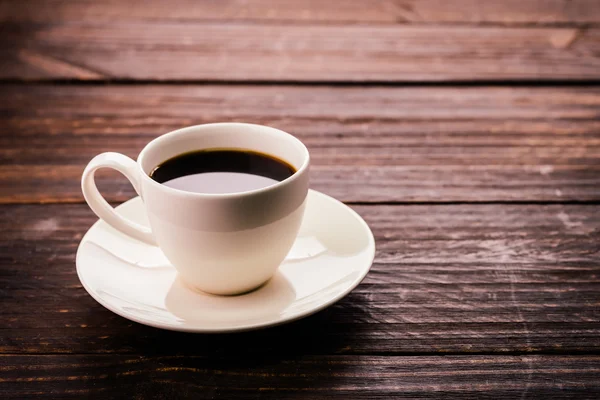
(221, 171)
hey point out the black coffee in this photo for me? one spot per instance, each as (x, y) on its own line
(221, 171)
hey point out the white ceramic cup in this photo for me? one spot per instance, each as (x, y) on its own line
(219, 243)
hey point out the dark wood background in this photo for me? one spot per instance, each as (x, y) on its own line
(465, 132)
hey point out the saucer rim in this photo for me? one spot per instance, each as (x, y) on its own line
(249, 326)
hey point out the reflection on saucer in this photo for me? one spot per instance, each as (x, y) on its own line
(266, 302)
(305, 247)
(152, 260)
(326, 229)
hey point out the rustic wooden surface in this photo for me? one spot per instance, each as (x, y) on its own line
(229, 51)
(362, 377)
(505, 12)
(375, 144)
(465, 132)
(314, 41)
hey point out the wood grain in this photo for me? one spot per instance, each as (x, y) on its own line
(508, 12)
(246, 51)
(369, 144)
(496, 300)
(446, 279)
(272, 376)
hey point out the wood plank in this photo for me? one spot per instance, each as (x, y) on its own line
(446, 279)
(247, 51)
(273, 376)
(368, 144)
(538, 12)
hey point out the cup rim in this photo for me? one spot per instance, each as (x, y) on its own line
(157, 141)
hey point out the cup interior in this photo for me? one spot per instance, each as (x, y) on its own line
(241, 136)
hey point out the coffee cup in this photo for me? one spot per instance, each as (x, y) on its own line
(220, 243)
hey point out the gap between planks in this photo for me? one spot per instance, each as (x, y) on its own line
(547, 352)
(108, 81)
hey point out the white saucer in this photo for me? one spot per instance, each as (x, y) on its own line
(331, 256)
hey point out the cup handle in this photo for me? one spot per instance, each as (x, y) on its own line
(100, 206)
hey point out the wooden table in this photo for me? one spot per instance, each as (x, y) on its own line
(465, 132)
